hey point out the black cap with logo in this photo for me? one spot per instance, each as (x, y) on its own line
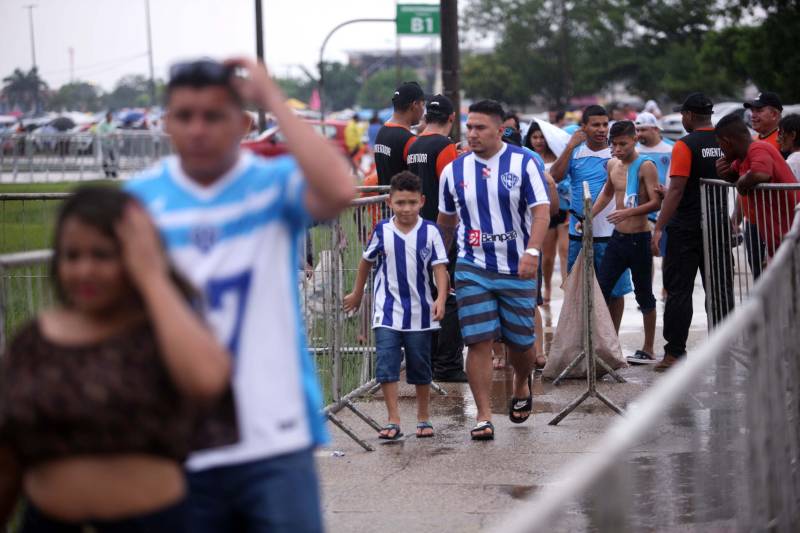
(765, 99)
(439, 104)
(408, 93)
(696, 103)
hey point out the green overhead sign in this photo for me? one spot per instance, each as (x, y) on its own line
(418, 19)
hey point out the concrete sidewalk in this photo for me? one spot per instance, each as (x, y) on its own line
(450, 483)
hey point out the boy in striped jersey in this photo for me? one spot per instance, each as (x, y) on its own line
(404, 249)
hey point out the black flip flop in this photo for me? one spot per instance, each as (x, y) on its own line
(477, 433)
(521, 405)
(391, 427)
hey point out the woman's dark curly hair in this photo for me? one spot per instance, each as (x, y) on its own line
(100, 207)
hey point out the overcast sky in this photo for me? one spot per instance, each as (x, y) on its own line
(109, 37)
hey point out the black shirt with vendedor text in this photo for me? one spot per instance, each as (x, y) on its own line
(391, 150)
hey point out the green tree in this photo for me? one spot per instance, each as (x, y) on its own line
(76, 96)
(376, 93)
(24, 90)
(297, 88)
(342, 85)
(675, 49)
(555, 49)
(130, 91)
(769, 53)
(487, 76)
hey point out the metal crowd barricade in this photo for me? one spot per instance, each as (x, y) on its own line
(735, 257)
(24, 289)
(45, 157)
(343, 345)
(714, 445)
(27, 220)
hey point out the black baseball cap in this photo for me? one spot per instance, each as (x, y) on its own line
(765, 99)
(696, 103)
(439, 104)
(408, 93)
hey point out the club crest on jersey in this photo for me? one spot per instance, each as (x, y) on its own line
(509, 180)
(204, 237)
(664, 160)
(425, 253)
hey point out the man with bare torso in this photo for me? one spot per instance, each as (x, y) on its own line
(632, 182)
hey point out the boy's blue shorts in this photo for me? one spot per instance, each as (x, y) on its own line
(389, 347)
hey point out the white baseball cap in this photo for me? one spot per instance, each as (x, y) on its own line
(647, 119)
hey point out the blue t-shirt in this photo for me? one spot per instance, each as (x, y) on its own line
(586, 165)
(372, 133)
(237, 241)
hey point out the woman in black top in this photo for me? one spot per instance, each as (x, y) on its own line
(99, 395)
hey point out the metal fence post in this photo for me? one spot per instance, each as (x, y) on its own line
(588, 322)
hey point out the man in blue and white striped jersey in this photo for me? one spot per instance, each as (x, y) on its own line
(497, 195)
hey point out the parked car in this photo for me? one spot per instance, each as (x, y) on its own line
(672, 127)
(272, 143)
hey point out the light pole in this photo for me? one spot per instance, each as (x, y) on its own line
(262, 119)
(322, 55)
(450, 60)
(30, 7)
(151, 85)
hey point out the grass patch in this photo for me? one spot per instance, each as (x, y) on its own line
(28, 224)
(61, 186)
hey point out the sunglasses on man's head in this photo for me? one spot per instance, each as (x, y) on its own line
(206, 70)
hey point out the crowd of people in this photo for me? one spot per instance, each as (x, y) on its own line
(171, 388)
(490, 202)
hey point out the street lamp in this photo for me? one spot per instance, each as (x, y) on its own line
(152, 83)
(30, 7)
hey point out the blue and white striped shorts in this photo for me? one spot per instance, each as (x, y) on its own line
(492, 305)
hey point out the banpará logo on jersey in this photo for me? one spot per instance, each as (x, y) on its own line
(509, 180)
(476, 237)
(204, 237)
(425, 253)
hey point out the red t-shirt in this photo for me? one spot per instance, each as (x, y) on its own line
(772, 211)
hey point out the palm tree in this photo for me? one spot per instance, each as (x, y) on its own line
(23, 91)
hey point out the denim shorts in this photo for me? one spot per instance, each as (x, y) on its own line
(623, 285)
(275, 495)
(389, 347)
(492, 306)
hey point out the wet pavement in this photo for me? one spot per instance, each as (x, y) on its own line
(450, 483)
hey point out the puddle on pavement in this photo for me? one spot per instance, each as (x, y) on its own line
(518, 492)
(673, 489)
(444, 450)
